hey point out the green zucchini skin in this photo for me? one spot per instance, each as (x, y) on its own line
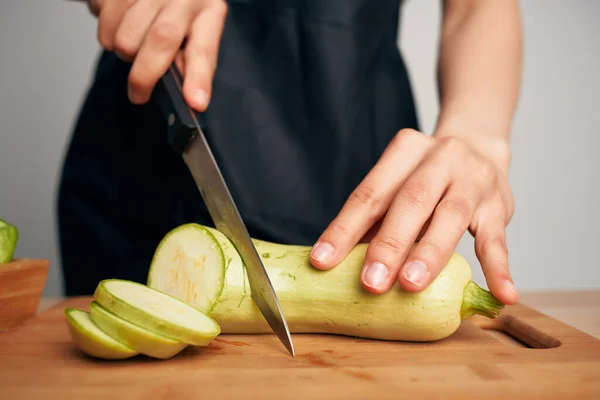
(9, 237)
(157, 312)
(140, 339)
(330, 302)
(91, 340)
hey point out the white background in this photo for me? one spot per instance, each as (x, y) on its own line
(48, 50)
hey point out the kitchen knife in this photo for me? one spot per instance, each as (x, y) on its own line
(186, 137)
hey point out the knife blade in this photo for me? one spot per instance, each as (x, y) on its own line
(186, 137)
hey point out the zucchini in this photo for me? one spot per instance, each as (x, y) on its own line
(9, 236)
(156, 311)
(313, 301)
(141, 340)
(92, 340)
(197, 266)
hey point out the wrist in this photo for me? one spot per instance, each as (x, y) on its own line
(494, 144)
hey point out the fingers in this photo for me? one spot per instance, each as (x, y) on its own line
(134, 26)
(158, 49)
(491, 250)
(151, 33)
(449, 222)
(370, 200)
(411, 208)
(201, 54)
(433, 191)
(473, 182)
(109, 17)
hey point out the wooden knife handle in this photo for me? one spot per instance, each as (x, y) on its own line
(526, 333)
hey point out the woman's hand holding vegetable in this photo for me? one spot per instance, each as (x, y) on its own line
(436, 188)
(430, 189)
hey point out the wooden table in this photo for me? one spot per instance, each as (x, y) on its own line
(555, 361)
(580, 309)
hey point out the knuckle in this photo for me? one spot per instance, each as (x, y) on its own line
(487, 176)
(220, 8)
(408, 132)
(404, 136)
(105, 40)
(165, 32)
(433, 248)
(124, 47)
(363, 195)
(365, 201)
(337, 230)
(452, 146)
(457, 206)
(415, 195)
(391, 244)
(487, 172)
(497, 241)
(490, 242)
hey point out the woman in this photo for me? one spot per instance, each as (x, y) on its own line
(310, 114)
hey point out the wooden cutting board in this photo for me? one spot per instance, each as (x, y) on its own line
(536, 358)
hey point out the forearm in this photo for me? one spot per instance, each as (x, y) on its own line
(479, 73)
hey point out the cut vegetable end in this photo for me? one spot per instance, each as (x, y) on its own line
(157, 311)
(189, 261)
(477, 300)
(140, 339)
(9, 236)
(92, 340)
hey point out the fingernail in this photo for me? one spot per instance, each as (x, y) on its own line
(415, 272)
(322, 251)
(510, 287)
(201, 97)
(375, 275)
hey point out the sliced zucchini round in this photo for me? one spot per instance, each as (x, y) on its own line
(156, 311)
(92, 340)
(140, 339)
(189, 261)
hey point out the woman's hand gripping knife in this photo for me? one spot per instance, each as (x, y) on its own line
(151, 34)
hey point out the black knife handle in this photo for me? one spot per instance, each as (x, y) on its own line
(181, 127)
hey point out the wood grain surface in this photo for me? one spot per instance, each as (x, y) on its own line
(21, 285)
(540, 358)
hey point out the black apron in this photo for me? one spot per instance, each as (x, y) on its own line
(307, 94)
